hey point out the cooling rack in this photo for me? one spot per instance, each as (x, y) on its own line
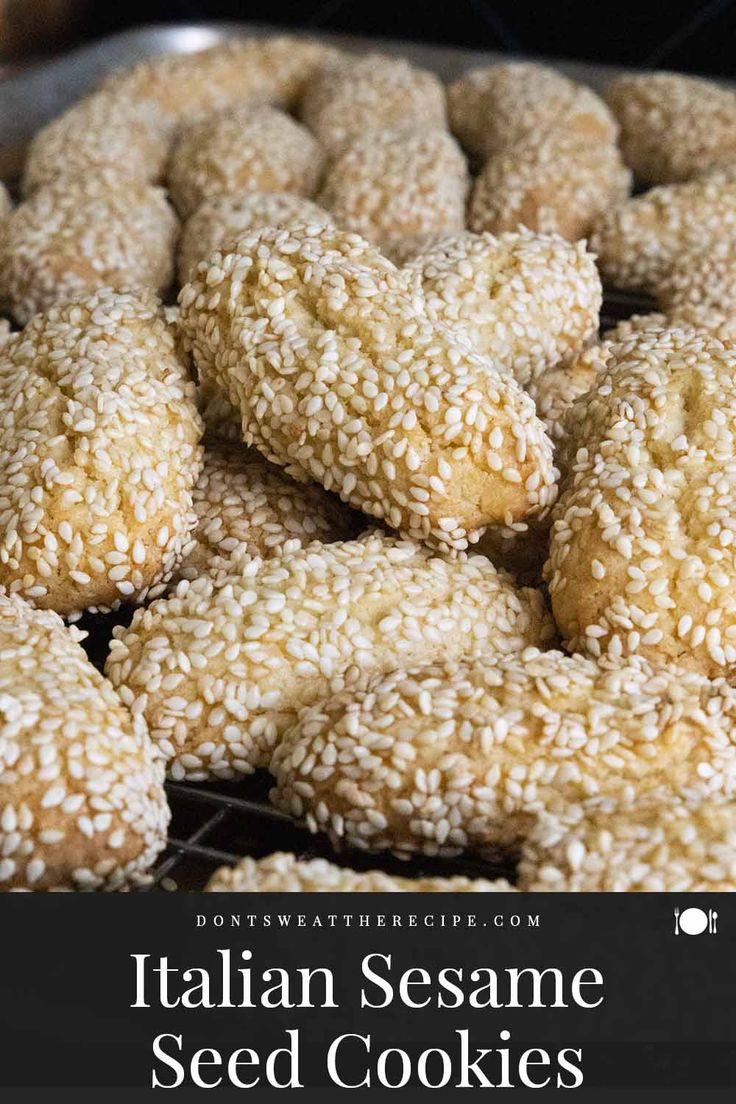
(219, 823)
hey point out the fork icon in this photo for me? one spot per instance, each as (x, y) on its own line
(677, 920)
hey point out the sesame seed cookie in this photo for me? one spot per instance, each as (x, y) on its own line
(701, 277)
(82, 232)
(662, 847)
(638, 242)
(522, 548)
(554, 183)
(82, 803)
(672, 126)
(220, 418)
(450, 757)
(99, 451)
(390, 185)
(717, 322)
(641, 554)
(493, 108)
(220, 667)
(240, 150)
(283, 872)
(557, 388)
(220, 221)
(244, 506)
(237, 71)
(326, 349)
(354, 95)
(101, 130)
(528, 301)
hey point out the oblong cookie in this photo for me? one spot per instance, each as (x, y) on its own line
(99, 451)
(642, 556)
(398, 184)
(637, 242)
(673, 127)
(82, 803)
(220, 667)
(463, 756)
(496, 106)
(240, 150)
(352, 96)
(528, 301)
(326, 349)
(664, 847)
(82, 232)
(247, 507)
(553, 183)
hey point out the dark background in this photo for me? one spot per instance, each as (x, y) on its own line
(683, 35)
(691, 35)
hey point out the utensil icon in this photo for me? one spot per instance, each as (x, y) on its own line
(712, 921)
(677, 920)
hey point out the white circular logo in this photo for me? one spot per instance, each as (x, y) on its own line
(693, 921)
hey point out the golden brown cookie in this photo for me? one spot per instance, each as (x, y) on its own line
(399, 184)
(247, 507)
(241, 150)
(466, 756)
(642, 556)
(703, 278)
(340, 377)
(83, 232)
(661, 847)
(550, 182)
(673, 127)
(99, 451)
(528, 301)
(236, 71)
(219, 668)
(104, 130)
(639, 241)
(494, 107)
(354, 95)
(82, 803)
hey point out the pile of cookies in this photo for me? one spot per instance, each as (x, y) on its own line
(308, 393)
